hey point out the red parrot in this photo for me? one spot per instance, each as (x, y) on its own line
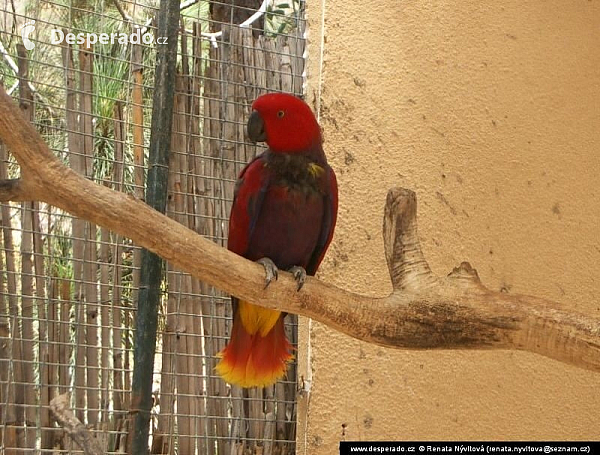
(283, 216)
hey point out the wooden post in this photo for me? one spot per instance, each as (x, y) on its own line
(156, 197)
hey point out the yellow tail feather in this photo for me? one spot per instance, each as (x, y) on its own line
(258, 351)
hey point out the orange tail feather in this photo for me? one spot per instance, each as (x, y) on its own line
(251, 359)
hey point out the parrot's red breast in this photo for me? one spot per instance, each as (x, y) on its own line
(284, 209)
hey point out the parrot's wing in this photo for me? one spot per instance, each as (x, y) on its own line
(250, 190)
(330, 208)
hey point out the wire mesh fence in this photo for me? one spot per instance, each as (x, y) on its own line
(68, 288)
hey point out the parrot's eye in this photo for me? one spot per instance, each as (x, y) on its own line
(280, 114)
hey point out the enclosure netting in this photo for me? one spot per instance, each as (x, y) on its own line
(68, 288)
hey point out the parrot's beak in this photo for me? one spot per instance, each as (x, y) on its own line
(256, 128)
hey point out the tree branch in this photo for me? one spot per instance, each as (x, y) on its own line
(423, 311)
(59, 406)
(126, 17)
(14, 190)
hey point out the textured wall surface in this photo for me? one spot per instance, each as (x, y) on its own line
(491, 113)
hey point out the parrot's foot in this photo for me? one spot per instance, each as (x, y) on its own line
(299, 275)
(270, 270)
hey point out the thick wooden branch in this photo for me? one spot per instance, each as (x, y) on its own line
(423, 311)
(14, 190)
(59, 406)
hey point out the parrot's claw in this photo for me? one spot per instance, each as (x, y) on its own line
(299, 275)
(270, 270)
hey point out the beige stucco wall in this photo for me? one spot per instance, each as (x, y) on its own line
(491, 112)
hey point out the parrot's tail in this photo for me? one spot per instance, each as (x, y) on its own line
(258, 350)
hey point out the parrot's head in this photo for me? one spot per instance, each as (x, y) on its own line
(285, 123)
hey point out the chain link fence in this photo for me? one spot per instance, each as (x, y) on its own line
(82, 72)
